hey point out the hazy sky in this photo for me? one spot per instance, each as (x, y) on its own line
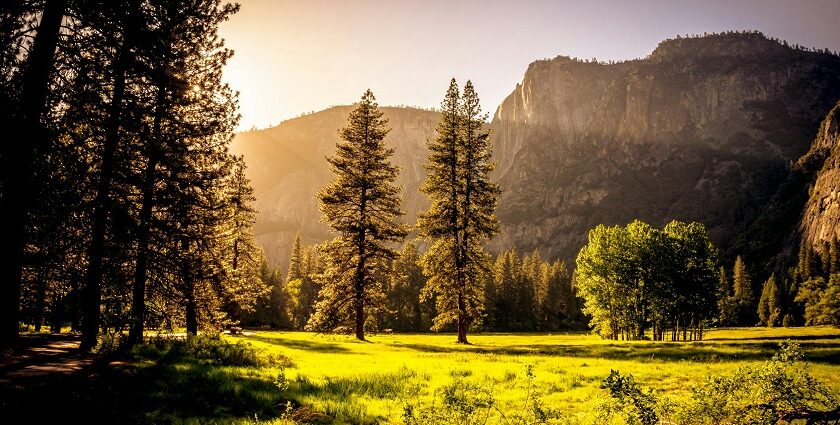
(295, 56)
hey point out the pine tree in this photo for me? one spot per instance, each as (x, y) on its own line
(362, 204)
(743, 297)
(406, 282)
(461, 216)
(769, 305)
(724, 299)
(295, 261)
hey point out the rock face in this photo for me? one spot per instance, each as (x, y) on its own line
(703, 129)
(287, 167)
(820, 221)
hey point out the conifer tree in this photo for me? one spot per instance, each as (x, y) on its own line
(461, 216)
(406, 282)
(743, 297)
(724, 299)
(362, 204)
(769, 305)
(295, 261)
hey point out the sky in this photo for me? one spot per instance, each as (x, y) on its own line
(299, 56)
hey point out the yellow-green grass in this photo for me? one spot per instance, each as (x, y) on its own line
(353, 381)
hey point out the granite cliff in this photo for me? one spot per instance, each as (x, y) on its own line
(702, 129)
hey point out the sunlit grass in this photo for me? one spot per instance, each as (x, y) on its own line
(354, 381)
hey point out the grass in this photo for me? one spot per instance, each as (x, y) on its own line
(370, 382)
(336, 379)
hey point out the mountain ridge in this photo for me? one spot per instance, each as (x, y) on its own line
(702, 129)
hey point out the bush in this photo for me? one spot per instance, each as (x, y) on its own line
(635, 405)
(780, 391)
(464, 402)
(210, 350)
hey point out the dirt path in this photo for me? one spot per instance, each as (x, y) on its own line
(39, 358)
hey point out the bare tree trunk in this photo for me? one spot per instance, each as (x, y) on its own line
(138, 301)
(92, 295)
(462, 320)
(19, 161)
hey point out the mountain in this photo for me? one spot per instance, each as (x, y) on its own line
(287, 167)
(703, 129)
(820, 220)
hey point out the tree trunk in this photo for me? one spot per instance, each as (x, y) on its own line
(190, 306)
(40, 300)
(191, 313)
(92, 294)
(18, 169)
(138, 300)
(418, 315)
(74, 302)
(462, 321)
(55, 320)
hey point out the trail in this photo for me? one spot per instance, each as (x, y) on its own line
(40, 358)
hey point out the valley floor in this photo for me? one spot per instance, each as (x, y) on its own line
(335, 379)
(374, 381)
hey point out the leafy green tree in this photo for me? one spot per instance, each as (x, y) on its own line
(821, 299)
(461, 216)
(362, 204)
(636, 277)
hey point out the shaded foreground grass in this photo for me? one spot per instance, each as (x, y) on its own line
(332, 378)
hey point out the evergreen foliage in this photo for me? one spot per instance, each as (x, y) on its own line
(362, 205)
(461, 216)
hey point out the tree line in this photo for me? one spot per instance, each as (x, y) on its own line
(807, 294)
(124, 207)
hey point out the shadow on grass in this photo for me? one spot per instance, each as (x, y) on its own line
(169, 390)
(816, 352)
(776, 338)
(316, 346)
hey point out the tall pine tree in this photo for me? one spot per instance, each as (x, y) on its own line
(362, 204)
(462, 212)
(743, 297)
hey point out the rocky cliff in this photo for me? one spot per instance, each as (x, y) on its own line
(702, 129)
(820, 220)
(287, 167)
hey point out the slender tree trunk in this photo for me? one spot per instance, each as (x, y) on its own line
(138, 300)
(190, 306)
(418, 315)
(74, 302)
(92, 294)
(19, 161)
(55, 320)
(40, 300)
(358, 286)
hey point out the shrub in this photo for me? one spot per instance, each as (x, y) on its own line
(635, 405)
(210, 350)
(779, 391)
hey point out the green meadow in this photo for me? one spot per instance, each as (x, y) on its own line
(338, 379)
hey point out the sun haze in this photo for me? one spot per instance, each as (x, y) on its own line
(294, 57)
